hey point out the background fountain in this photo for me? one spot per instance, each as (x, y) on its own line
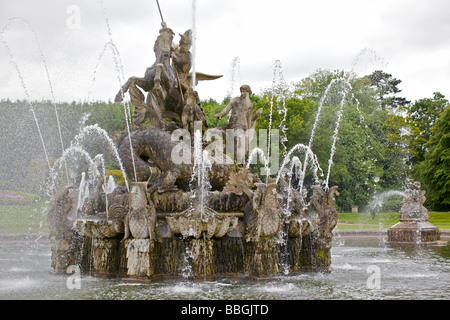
(414, 227)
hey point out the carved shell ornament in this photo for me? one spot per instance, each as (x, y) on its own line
(239, 183)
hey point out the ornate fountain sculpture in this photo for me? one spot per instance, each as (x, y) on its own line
(147, 231)
(413, 227)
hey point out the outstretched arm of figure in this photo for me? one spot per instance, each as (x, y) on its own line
(225, 111)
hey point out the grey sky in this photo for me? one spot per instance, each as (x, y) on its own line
(408, 38)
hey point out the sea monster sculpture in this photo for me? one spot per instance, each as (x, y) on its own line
(263, 212)
(153, 160)
(324, 204)
(140, 222)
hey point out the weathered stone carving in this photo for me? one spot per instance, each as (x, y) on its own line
(263, 212)
(167, 86)
(194, 221)
(192, 112)
(324, 204)
(240, 182)
(58, 216)
(65, 241)
(141, 220)
(99, 228)
(299, 220)
(412, 205)
(153, 162)
(241, 108)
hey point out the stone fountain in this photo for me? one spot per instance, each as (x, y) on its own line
(414, 227)
(213, 219)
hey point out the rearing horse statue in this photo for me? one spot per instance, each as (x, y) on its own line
(167, 85)
(159, 81)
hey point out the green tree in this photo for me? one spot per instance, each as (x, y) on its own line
(390, 127)
(422, 116)
(211, 108)
(387, 88)
(357, 164)
(435, 169)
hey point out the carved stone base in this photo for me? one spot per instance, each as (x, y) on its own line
(140, 257)
(413, 232)
(261, 257)
(66, 252)
(105, 256)
(314, 256)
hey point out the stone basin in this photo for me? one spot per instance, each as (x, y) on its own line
(413, 232)
(99, 228)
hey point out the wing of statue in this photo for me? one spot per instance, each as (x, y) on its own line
(199, 76)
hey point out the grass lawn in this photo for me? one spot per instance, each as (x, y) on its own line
(385, 220)
(30, 218)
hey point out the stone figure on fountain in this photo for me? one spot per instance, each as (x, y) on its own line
(241, 108)
(412, 205)
(324, 204)
(182, 60)
(242, 120)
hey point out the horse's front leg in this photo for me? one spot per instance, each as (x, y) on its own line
(131, 82)
(123, 90)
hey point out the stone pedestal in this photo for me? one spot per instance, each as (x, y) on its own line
(314, 255)
(413, 232)
(105, 257)
(261, 257)
(153, 244)
(140, 257)
(66, 252)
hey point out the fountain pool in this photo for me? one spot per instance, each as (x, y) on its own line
(405, 273)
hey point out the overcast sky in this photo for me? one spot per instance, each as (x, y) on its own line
(408, 38)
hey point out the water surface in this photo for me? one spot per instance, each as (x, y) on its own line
(405, 273)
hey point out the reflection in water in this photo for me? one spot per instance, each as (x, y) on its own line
(406, 273)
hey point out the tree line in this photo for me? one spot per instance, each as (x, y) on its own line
(384, 142)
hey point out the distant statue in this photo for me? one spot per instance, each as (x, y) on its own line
(412, 205)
